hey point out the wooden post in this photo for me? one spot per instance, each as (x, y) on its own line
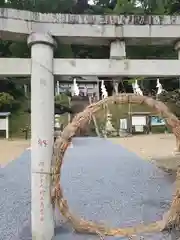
(7, 127)
(95, 122)
(69, 115)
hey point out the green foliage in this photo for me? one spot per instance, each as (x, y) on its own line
(6, 101)
(125, 7)
(19, 49)
(4, 48)
(130, 81)
(64, 51)
(172, 99)
(62, 99)
(19, 121)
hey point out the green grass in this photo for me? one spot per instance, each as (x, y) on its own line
(21, 119)
(121, 111)
(17, 122)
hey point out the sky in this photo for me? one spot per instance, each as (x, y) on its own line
(90, 2)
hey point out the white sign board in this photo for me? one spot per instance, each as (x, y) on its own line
(123, 124)
(139, 128)
(3, 123)
(157, 121)
(138, 120)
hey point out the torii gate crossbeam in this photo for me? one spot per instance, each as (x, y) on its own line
(95, 67)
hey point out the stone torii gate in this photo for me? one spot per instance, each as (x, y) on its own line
(42, 32)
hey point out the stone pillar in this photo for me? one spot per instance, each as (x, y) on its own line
(118, 50)
(42, 134)
(177, 48)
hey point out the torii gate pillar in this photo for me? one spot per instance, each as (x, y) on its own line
(117, 51)
(42, 134)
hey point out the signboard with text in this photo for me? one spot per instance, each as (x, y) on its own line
(116, 19)
(92, 19)
(157, 121)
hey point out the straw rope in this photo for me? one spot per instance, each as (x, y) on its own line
(169, 220)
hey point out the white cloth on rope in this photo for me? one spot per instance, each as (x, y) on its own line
(85, 91)
(136, 89)
(57, 88)
(75, 90)
(159, 87)
(133, 87)
(56, 121)
(103, 90)
(115, 85)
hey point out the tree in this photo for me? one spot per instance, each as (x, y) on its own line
(6, 101)
(125, 7)
(172, 99)
(174, 7)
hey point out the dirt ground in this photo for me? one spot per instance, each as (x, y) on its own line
(158, 148)
(11, 149)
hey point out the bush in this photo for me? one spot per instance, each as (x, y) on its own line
(172, 100)
(6, 101)
(62, 99)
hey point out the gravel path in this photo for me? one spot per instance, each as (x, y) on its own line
(14, 197)
(102, 182)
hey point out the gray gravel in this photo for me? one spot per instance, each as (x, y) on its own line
(14, 197)
(101, 181)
